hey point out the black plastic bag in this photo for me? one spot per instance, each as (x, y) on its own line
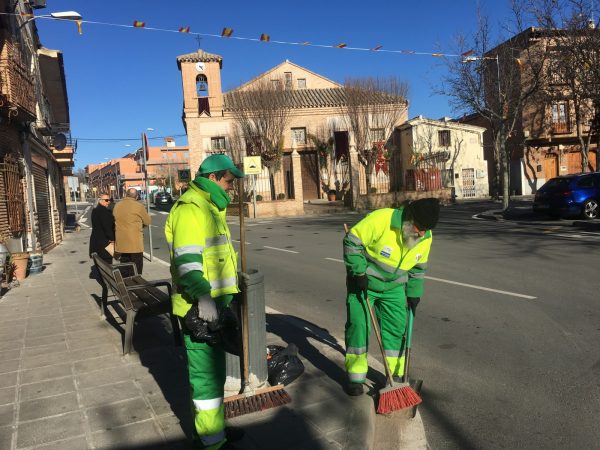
(283, 364)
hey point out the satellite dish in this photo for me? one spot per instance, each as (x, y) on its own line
(60, 141)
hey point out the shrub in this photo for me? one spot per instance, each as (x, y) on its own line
(373, 190)
(281, 196)
(259, 198)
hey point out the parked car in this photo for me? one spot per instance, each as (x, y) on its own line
(569, 196)
(163, 198)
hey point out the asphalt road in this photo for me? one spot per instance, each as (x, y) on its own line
(506, 335)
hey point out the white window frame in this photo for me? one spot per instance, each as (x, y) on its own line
(301, 81)
(299, 135)
(218, 143)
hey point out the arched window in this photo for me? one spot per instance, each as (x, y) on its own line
(201, 85)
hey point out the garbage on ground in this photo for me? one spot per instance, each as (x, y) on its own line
(283, 364)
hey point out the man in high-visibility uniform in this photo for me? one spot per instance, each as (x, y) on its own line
(204, 271)
(386, 256)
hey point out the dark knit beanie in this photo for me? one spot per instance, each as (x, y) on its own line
(424, 212)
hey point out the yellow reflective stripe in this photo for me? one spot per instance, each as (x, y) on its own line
(188, 249)
(396, 364)
(188, 267)
(210, 423)
(204, 405)
(357, 366)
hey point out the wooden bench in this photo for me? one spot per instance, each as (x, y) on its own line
(135, 295)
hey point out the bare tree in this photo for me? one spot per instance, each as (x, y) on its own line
(373, 107)
(323, 141)
(423, 146)
(496, 81)
(262, 115)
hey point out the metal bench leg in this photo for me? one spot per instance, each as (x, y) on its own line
(176, 332)
(103, 302)
(129, 322)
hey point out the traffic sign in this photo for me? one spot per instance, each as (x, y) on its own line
(252, 165)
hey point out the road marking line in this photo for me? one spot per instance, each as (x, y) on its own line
(513, 294)
(280, 249)
(84, 225)
(238, 241)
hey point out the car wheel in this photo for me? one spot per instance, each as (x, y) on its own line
(590, 209)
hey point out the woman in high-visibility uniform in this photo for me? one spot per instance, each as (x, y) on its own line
(386, 257)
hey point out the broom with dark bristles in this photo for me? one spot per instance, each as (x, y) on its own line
(250, 400)
(396, 396)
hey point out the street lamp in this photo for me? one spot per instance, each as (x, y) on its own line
(468, 59)
(62, 15)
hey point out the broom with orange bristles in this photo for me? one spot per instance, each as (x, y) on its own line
(396, 396)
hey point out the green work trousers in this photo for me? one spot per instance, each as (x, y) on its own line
(390, 310)
(206, 372)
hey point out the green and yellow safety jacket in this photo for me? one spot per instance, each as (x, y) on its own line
(374, 246)
(202, 257)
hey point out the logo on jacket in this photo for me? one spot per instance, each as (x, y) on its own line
(418, 257)
(386, 252)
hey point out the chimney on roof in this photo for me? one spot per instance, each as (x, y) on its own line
(169, 142)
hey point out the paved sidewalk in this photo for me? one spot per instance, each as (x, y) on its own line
(64, 383)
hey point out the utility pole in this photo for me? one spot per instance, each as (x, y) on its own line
(144, 150)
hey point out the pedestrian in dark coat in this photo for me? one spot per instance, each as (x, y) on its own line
(103, 229)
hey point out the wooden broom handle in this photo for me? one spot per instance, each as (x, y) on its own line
(244, 306)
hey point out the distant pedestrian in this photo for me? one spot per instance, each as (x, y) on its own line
(103, 229)
(130, 219)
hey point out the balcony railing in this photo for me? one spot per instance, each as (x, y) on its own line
(561, 128)
(16, 83)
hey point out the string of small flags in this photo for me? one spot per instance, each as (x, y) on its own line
(228, 33)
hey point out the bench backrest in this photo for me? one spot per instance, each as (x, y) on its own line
(122, 293)
(106, 272)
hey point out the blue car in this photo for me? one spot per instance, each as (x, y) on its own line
(570, 196)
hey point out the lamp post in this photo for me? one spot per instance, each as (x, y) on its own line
(62, 15)
(144, 159)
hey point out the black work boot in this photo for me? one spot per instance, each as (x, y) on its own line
(234, 434)
(354, 389)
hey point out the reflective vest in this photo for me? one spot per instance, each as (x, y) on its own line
(202, 257)
(375, 246)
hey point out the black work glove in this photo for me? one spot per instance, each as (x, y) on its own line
(200, 329)
(359, 283)
(412, 304)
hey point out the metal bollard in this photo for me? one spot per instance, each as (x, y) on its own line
(253, 284)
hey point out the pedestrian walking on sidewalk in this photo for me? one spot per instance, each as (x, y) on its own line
(386, 256)
(103, 229)
(130, 219)
(204, 271)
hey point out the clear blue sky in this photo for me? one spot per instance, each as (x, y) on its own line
(122, 81)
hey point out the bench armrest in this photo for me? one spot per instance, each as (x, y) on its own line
(153, 283)
(127, 264)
